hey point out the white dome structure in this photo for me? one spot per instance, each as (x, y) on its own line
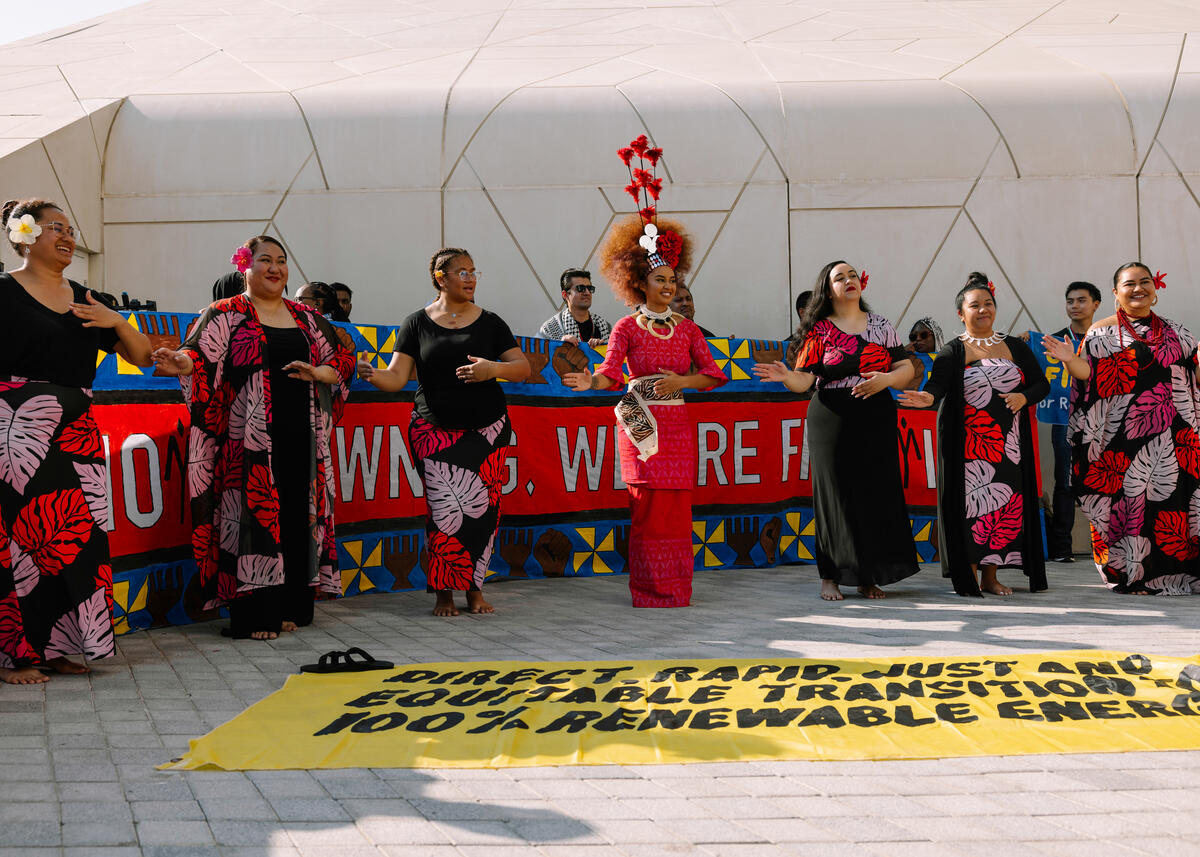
(1040, 141)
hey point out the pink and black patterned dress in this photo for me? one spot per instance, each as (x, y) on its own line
(1134, 432)
(863, 532)
(232, 471)
(992, 454)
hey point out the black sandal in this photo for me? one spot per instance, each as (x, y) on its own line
(344, 662)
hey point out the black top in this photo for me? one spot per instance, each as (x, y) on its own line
(587, 330)
(42, 345)
(289, 396)
(441, 398)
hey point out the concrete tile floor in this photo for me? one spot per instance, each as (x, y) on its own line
(78, 754)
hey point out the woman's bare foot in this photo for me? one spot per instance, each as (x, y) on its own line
(871, 591)
(288, 626)
(476, 603)
(23, 675)
(830, 591)
(67, 667)
(263, 635)
(445, 604)
(988, 582)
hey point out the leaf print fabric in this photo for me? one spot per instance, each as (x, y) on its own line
(992, 451)
(55, 580)
(25, 435)
(1137, 446)
(235, 502)
(839, 359)
(463, 484)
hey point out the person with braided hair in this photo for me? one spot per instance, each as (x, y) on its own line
(459, 431)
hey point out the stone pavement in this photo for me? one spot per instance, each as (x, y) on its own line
(78, 754)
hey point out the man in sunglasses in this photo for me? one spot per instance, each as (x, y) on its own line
(575, 322)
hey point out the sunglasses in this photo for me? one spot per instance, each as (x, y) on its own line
(582, 289)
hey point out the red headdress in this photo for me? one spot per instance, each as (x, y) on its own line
(1160, 280)
(644, 186)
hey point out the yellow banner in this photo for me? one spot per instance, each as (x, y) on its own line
(511, 714)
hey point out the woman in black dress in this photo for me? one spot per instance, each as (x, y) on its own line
(458, 434)
(989, 510)
(55, 577)
(864, 536)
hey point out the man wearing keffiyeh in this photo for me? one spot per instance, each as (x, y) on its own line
(576, 322)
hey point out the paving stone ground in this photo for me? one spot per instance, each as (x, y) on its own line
(78, 777)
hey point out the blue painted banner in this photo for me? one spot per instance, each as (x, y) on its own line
(1055, 409)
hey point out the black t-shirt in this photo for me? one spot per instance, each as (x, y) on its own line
(39, 344)
(587, 330)
(441, 398)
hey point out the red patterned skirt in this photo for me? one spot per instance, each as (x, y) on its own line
(463, 472)
(55, 577)
(660, 546)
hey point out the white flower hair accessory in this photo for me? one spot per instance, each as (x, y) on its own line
(23, 229)
(649, 239)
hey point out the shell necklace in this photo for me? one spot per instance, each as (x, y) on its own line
(984, 341)
(649, 321)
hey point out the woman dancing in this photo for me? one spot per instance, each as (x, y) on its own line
(1133, 430)
(989, 511)
(641, 258)
(55, 577)
(459, 430)
(864, 536)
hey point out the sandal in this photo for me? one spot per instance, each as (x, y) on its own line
(345, 662)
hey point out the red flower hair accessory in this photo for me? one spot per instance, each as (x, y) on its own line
(863, 276)
(669, 247)
(992, 289)
(1159, 280)
(646, 187)
(242, 259)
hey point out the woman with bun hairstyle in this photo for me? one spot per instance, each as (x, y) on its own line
(264, 379)
(641, 257)
(459, 430)
(55, 576)
(863, 534)
(989, 509)
(1134, 431)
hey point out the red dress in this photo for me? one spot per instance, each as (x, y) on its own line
(660, 486)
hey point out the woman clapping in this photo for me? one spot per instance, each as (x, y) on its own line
(1136, 450)
(989, 514)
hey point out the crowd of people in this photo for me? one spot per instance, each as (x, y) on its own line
(264, 378)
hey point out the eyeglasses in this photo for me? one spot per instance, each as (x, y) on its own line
(466, 275)
(59, 228)
(581, 289)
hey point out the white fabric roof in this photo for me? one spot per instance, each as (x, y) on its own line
(1037, 140)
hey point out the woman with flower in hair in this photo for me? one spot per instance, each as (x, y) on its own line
(264, 378)
(55, 577)
(989, 508)
(657, 438)
(459, 430)
(1135, 432)
(642, 257)
(864, 538)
